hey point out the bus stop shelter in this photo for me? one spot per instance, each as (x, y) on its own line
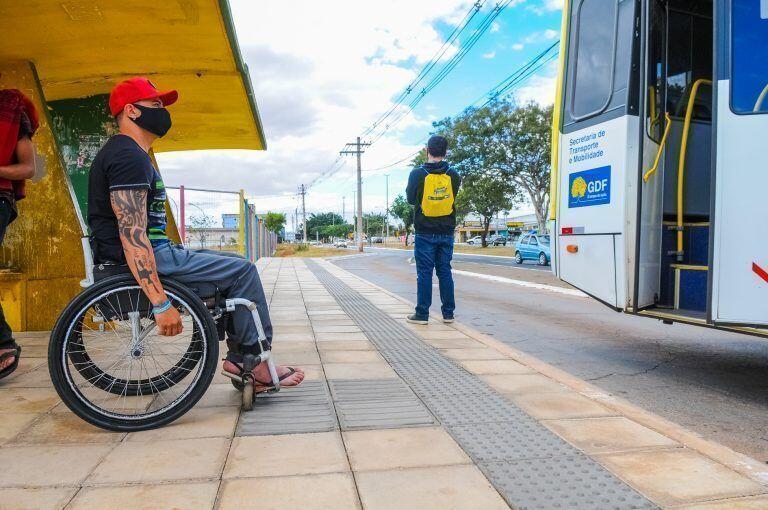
(66, 56)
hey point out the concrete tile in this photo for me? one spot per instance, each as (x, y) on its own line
(313, 373)
(495, 366)
(402, 448)
(48, 465)
(352, 357)
(189, 496)
(322, 320)
(454, 343)
(197, 423)
(474, 354)
(12, 424)
(345, 345)
(281, 347)
(28, 400)
(285, 330)
(65, 428)
(335, 328)
(359, 371)
(294, 454)
(754, 503)
(39, 499)
(297, 358)
(220, 395)
(161, 461)
(678, 476)
(324, 337)
(314, 313)
(37, 378)
(514, 384)
(608, 434)
(560, 405)
(335, 491)
(435, 488)
(295, 337)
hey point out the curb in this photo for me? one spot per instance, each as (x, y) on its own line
(738, 462)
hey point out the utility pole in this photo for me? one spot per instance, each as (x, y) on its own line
(358, 150)
(386, 214)
(343, 212)
(303, 191)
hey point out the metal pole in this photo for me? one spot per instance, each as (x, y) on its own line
(304, 212)
(386, 214)
(359, 195)
(182, 216)
(343, 210)
(241, 225)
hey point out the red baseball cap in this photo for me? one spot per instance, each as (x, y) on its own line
(137, 89)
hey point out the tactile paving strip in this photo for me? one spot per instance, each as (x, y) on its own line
(306, 408)
(529, 465)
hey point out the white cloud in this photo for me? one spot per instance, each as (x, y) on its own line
(517, 47)
(547, 6)
(489, 55)
(321, 74)
(541, 86)
(495, 27)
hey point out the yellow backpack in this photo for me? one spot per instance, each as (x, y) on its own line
(438, 195)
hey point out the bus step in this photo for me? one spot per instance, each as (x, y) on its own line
(690, 286)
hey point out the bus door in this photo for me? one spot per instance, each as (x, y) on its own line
(739, 283)
(598, 148)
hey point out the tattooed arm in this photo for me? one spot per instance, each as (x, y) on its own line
(130, 207)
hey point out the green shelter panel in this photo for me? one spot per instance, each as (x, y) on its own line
(81, 127)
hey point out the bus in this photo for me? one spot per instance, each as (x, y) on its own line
(660, 159)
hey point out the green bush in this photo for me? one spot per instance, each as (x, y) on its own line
(302, 247)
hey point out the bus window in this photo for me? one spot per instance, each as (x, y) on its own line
(688, 59)
(657, 29)
(749, 79)
(600, 45)
(595, 43)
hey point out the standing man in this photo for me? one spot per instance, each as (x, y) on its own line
(126, 215)
(432, 190)
(18, 122)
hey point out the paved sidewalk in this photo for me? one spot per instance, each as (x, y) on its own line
(391, 416)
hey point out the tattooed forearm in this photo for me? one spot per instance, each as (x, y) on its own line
(130, 207)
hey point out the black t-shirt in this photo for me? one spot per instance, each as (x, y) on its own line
(122, 164)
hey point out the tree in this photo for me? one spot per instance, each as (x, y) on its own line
(338, 230)
(402, 210)
(373, 224)
(275, 222)
(521, 150)
(199, 227)
(486, 191)
(316, 222)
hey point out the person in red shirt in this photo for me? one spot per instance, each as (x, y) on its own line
(18, 123)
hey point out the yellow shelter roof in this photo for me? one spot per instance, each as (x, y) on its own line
(82, 48)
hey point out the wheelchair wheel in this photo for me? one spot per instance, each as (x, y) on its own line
(112, 369)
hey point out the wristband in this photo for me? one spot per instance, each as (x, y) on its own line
(163, 307)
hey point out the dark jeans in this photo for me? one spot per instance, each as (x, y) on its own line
(433, 252)
(7, 215)
(235, 276)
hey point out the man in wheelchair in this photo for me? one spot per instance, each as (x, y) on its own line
(126, 215)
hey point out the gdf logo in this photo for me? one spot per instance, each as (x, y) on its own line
(597, 186)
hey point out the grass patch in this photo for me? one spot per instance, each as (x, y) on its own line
(304, 250)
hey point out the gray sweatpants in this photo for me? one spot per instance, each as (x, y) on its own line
(235, 276)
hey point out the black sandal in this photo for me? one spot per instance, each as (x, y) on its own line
(236, 360)
(14, 353)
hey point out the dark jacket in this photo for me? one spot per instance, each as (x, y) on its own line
(415, 191)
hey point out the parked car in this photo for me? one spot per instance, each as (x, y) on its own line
(475, 240)
(340, 243)
(533, 247)
(498, 240)
(377, 240)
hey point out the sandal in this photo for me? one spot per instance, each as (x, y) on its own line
(260, 386)
(14, 353)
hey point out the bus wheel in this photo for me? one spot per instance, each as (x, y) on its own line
(542, 259)
(518, 258)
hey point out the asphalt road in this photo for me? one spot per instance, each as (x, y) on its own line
(466, 257)
(712, 382)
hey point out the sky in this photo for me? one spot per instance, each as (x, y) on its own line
(323, 72)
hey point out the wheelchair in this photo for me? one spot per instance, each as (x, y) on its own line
(112, 369)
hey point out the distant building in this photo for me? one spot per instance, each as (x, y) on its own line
(230, 221)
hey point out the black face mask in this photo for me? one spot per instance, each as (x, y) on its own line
(155, 120)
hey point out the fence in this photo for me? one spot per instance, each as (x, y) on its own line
(220, 220)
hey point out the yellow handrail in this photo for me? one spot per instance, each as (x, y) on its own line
(652, 170)
(681, 164)
(760, 99)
